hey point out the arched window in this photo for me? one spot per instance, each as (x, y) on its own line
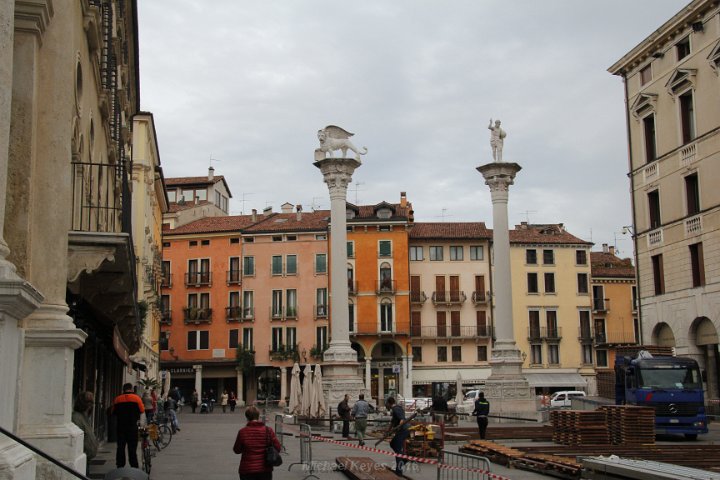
(351, 279)
(386, 316)
(386, 284)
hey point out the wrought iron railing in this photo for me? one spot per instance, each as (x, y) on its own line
(448, 296)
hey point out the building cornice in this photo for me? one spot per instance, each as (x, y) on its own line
(33, 16)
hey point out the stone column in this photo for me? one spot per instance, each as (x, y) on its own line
(407, 380)
(198, 380)
(7, 14)
(712, 373)
(381, 386)
(283, 387)
(368, 373)
(240, 387)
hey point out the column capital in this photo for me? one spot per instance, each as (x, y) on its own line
(499, 175)
(197, 367)
(337, 174)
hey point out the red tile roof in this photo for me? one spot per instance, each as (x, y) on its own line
(213, 225)
(288, 222)
(450, 230)
(544, 234)
(609, 265)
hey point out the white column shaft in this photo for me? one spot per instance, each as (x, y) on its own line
(340, 336)
(283, 386)
(501, 255)
(198, 379)
(368, 373)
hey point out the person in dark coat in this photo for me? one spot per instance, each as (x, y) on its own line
(251, 442)
(482, 410)
(397, 443)
(127, 408)
(344, 413)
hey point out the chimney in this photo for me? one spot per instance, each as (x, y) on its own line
(286, 207)
(605, 248)
(299, 213)
(403, 199)
(211, 173)
(612, 250)
(254, 214)
(267, 211)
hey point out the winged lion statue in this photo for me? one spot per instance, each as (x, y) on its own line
(334, 138)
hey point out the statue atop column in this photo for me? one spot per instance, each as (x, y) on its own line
(334, 138)
(497, 138)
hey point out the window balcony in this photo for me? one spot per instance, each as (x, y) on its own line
(688, 155)
(417, 298)
(451, 331)
(276, 313)
(248, 313)
(352, 287)
(321, 311)
(601, 305)
(479, 298)
(615, 338)
(166, 280)
(284, 352)
(385, 287)
(197, 315)
(448, 297)
(655, 238)
(234, 314)
(166, 317)
(538, 334)
(585, 335)
(198, 279)
(693, 226)
(234, 277)
(291, 312)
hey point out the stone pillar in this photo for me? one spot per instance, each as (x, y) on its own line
(381, 386)
(283, 387)
(407, 380)
(712, 373)
(240, 387)
(198, 379)
(368, 373)
(7, 14)
(340, 368)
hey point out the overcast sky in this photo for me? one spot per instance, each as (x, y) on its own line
(250, 83)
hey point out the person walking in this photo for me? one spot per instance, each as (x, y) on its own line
(195, 401)
(171, 412)
(344, 413)
(397, 443)
(251, 442)
(233, 401)
(224, 399)
(148, 404)
(211, 400)
(482, 410)
(128, 408)
(359, 413)
(81, 417)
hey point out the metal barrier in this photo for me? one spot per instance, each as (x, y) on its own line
(305, 451)
(279, 418)
(460, 466)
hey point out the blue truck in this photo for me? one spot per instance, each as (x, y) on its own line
(671, 385)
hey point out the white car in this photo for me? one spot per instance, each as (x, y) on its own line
(468, 404)
(564, 398)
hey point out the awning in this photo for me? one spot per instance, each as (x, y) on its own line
(556, 380)
(423, 376)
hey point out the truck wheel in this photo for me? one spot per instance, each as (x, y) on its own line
(691, 436)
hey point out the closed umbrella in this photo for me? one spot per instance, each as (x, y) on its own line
(295, 391)
(306, 389)
(318, 406)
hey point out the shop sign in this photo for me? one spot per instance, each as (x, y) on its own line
(396, 368)
(181, 370)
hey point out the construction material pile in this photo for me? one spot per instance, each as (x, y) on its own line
(630, 425)
(513, 458)
(579, 427)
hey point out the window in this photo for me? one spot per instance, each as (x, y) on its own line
(165, 305)
(416, 254)
(291, 303)
(276, 339)
(276, 265)
(321, 305)
(455, 323)
(650, 138)
(417, 354)
(172, 195)
(350, 249)
(198, 340)
(580, 257)
(646, 74)
(476, 252)
(321, 236)
(248, 309)
(536, 354)
(164, 340)
(482, 353)
(534, 325)
(291, 338)
(205, 243)
(386, 316)
(692, 194)
(456, 253)
(552, 324)
(654, 208)
(582, 280)
(553, 354)
(441, 324)
(386, 283)
(531, 256)
(166, 244)
(658, 274)
(687, 117)
(291, 264)
(234, 299)
(234, 271)
(456, 353)
(436, 254)
(351, 317)
(532, 283)
(277, 304)
(634, 298)
(290, 238)
(585, 329)
(385, 228)
(235, 240)
(549, 283)
(442, 354)
(277, 238)
(600, 336)
(697, 264)
(682, 48)
(249, 266)
(598, 294)
(192, 243)
(218, 197)
(320, 263)
(166, 274)
(587, 354)
(321, 335)
(601, 358)
(548, 257)
(385, 248)
(249, 240)
(233, 339)
(248, 339)
(481, 324)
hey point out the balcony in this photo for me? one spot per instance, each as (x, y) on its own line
(448, 297)
(234, 314)
(538, 334)
(688, 155)
(601, 305)
(291, 312)
(352, 287)
(248, 313)
(693, 226)
(198, 279)
(655, 238)
(166, 280)
(321, 311)
(385, 287)
(197, 315)
(479, 298)
(166, 317)
(233, 277)
(585, 335)
(417, 298)
(283, 352)
(614, 338)
(451, 331)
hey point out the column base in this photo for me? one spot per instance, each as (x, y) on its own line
(511, 398)
(506, 361)
(62, 442)
(340, 353)
(340, 378)
(16, 461)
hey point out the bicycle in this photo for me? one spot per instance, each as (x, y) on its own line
(147, 452)
(161, 432)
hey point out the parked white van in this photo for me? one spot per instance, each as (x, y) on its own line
(564, 398)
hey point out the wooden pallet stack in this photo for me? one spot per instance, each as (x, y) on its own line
(630, 425)
(554, 465)
(579, 427)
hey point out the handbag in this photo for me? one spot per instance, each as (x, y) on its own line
(272, 455)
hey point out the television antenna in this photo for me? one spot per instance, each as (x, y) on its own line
(357, 189)
(527, 215)
(443, 214)
(213, 160)
(242, 201)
